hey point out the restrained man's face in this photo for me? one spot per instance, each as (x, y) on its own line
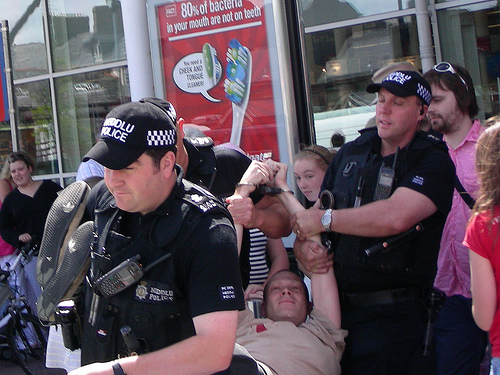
(138, 188)
(397, 118)
(286, 299)
(444, 113)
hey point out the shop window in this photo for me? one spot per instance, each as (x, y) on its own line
(85, 33)
(471, 37)
(26, 35)
(320, 12)
(340, 64)
(35, 128)
(83, 101)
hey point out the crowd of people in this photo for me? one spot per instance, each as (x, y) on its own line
(384, 226)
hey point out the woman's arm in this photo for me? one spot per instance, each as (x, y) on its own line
(484, 291)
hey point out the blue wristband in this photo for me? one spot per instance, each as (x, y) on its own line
(117, 369)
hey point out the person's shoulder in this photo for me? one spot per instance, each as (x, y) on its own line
(200, 198)
(425, 139)
(51, 185)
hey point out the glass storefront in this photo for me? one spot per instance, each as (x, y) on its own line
(342, 54)
(70, 68)
(85, 33)
(340, 64)
(83, 100)
(61, 90)
(471, 38)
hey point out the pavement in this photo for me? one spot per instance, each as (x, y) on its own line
(10, 368)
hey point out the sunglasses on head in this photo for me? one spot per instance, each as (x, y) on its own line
(444, 67)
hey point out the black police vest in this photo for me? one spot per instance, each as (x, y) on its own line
(406, 263)
(156, 307)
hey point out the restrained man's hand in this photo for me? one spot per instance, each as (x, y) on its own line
(312, 257)
(307, 223)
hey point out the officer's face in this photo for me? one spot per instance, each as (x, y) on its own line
(444, 114)
(141, 187)
(286, 299)
(397, 118)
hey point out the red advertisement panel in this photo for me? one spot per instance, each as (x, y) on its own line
(216, 71)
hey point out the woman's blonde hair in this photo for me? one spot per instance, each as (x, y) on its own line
(321, 155)
(488, 170)
(5, 173)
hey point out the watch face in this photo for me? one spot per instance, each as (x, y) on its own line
(327, 218)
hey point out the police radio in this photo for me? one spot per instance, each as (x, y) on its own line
(124, 275)
(385, 179)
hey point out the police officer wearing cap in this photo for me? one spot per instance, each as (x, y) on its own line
(219, 169)
(164, 265)
(392, 190)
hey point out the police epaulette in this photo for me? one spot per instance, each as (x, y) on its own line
(201, 141)
(201, 198)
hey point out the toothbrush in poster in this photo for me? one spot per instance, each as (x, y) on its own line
(237, 85)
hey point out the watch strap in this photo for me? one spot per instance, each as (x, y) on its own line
(117, 369)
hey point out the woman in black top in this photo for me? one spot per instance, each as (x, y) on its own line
(23, 214)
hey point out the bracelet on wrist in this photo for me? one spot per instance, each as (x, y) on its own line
(117, 369)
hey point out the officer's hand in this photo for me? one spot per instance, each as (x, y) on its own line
(312, 257)
(242, 210)
(307, 223)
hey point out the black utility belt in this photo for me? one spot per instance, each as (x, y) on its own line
(381, 297)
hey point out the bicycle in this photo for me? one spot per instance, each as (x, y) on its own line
(25, 335)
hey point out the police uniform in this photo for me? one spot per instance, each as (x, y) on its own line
(387, 286)
(159, 308)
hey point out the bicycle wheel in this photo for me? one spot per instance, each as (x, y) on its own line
(27, 339)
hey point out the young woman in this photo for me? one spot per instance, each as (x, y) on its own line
(483, 240)
(309, 168)
(23, 214)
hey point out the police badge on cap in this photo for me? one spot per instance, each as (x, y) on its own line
(132, 128)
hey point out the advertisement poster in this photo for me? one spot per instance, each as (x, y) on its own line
(216, 71)
(4, 106)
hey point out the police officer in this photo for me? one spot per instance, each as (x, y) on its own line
(219, 169)
(391, 190)
(180, 292)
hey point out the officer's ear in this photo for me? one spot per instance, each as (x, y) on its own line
(167, 164)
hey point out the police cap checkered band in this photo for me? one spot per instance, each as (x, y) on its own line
(158, 138)
(132, 128)
(404, 83)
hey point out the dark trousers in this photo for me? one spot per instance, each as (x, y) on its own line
(460, 344)
(384, 339)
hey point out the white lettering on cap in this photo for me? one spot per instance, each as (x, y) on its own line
(116, 129)
(397, 77)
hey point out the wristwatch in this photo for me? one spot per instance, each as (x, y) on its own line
(326, 220)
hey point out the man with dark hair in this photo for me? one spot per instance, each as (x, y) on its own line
(460, 343)
(181, 287)
(391, 191)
